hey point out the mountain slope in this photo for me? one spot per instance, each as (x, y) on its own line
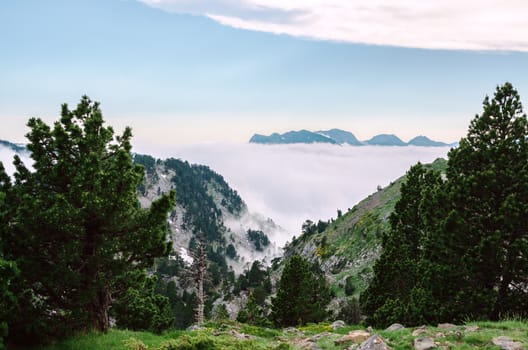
(385, 140)
(13, 146)
(341, 136)
(424, 141)
(301, 136)
(347, 247)
(207, 207)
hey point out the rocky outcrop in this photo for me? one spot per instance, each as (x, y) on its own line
(353, 337)
(506, 343)
(425, 343)
(394, 327)
(375, 342)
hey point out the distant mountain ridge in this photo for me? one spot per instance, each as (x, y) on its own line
(342, 137)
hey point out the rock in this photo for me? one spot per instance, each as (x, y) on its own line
(307, 344)
(375, 342)
(506, 343)
(456, 334)
(419, 331)
(446, 325)
(424, 343)
(318, 337)
(439, 335)
(471, 328)
(394, 327)
(293, 330)
(338, 324)
(195, 327)
(354, 337)
(240, 336)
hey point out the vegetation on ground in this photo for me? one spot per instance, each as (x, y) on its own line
(233, 335)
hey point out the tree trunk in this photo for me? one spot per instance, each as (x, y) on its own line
(98, 311)
(201, 303)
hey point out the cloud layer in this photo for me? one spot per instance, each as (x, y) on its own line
(435, 24)
(292, 183)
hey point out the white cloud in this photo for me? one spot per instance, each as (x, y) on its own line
(292, 183)
(432, 24)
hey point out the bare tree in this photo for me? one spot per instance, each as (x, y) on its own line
(198, 275)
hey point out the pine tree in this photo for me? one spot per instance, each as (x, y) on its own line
(7, 268)
(388, 296)
(486, 228)
(301, 296)
(79, 231)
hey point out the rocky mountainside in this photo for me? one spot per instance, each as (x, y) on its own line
(207, 207)
(342, 137)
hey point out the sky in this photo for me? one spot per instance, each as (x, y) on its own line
(196, 71)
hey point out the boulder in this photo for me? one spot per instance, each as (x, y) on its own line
(375, 342)
(394, 327)
(419, 331)
(425, 343)
(338, 324)
(354, 337)
(506, 343)
(307, 344)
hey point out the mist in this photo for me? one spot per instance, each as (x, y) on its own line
(292, 183)
(6, 157)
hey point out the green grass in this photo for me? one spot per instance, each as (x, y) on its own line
(223, 336)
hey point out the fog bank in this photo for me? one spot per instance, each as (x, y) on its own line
(292, 183)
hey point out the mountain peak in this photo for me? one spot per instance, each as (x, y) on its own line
(342, 137)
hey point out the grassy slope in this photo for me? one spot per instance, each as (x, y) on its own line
(353, 241)
(219, 336)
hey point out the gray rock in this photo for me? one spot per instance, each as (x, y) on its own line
(506, 343)
(419, 331)
(374, 343)
(307, 344)
(394, 327)
(338, 324)
(292, 330)
(446, 325)
(195, 327)
(354, 337)
(424, 343)
(471, 328)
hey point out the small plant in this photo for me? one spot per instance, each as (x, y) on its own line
(134, 344)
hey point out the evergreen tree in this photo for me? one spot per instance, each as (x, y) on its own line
(301, 295)
(7, 268)
(79, 231)
(252, 313)
(388, 296)
(140, 308)
(486, 227)
(467, 234)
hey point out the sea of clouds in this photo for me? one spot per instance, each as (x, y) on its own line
(292, 183)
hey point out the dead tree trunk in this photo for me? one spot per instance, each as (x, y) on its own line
(199, 272)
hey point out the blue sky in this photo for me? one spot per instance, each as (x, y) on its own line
(182, 71)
